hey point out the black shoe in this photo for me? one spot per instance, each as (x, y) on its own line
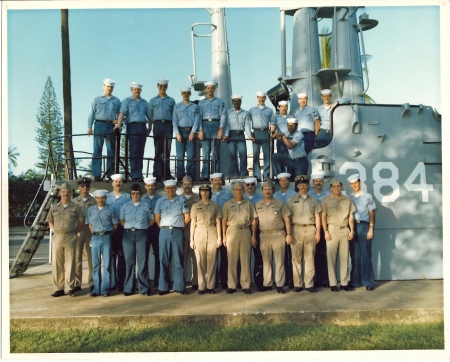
(369, 288)
(145, 294)
(182, 292)
(351, 287)
(72, 293)
(91, 288)
(195, 287)
(106, 294)
(280, 290)
(58, 293)
(230, 291)
(291, 286)
(316, 285)
(204, 179)
(334, 289)
(210, 291)
(298, 289)
(163, 292)
(346, 288)
(120, 289)
(93, 294)
(247, 291)
(238, 286)
(311, 290)
(325, 285)
(264, 289)
(201, 292)
(179, 179)
(76, 289)
(97, 178)
(125, 294)
(224, 286)
(169, 177)
(110, 289)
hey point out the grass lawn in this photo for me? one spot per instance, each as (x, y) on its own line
(283, 337)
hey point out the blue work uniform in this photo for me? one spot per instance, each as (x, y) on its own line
(102, 222)
(296, 159)
(238, 129)
(104, 110)
(306, 117)
(284, 197)
(135, 111)
(214, 116)
(171, 238)
(160, 112)
(186, 120)
(281, 123)
(262, 118)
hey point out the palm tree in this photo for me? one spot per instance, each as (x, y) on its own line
(12, 156)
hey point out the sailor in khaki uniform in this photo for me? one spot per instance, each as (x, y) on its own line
(206, 238)
(85, 201)
(238, 216)
(306, 224)
(274, 217)
(65, 219)
(337, 218)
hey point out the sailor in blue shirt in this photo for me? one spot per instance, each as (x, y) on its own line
(297, 155)
(238, 129)
(135, 110)
(102, 221)
(116, 199)
(104, 111)
(281, 126)
(308, 121)
(136, 217)
(172, 216)
(263, 123)
(160, 113)
(151, 197)
(186, 120)
(214, 120)
(221, 195)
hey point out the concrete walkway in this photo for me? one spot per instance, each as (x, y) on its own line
(32, 307)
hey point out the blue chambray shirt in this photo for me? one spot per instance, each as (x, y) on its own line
(221, 197)
(186, 116)
(324, 113)
(320, 197)
(261, 118)
(103, 108)
(151, 201)
(299, 149)
(172, 211)
(101, 220)
(281, 123)
(136, 216)
(256, 197)
(117, 203)
(306, 117)
(238, 121)
(161, 108)
(363, 203)
(278, 195)
(213, 108)
(134, 109)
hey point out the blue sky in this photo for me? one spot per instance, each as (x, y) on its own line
(146, 44)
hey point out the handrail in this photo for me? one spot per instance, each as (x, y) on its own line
(193, 35)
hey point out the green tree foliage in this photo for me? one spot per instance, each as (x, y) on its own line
(12, 156)
(50, 128)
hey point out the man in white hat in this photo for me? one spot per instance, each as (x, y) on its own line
(160, 115)
(65, 220)
(135, 110)
(172, 216)
(151, 197)
(104, 111)
(238, 129)
(361, 245)
(308, 121)
(116, 199)
(102, 221)
(263, 123)
(186, 121)
(214, 119)
(320, 257)
(295, 144)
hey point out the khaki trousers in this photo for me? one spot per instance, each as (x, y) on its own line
(239, 246)
(303, 247)
(83, 239)
(273, 246)
(205, 254)
(63, 261)
(186, 252)
(338, 242)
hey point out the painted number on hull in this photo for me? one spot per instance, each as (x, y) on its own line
(391, 182)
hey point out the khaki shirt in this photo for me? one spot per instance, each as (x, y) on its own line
(85, 205)
(65, 218)
(303, 210)
(271, 216)
(238, 214)
(338, 211)
(205, 215)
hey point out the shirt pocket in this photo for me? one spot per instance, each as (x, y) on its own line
(101, 105)
(141, 216)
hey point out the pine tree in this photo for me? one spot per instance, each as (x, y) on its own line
(50, 131)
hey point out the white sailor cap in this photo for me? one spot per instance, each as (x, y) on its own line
(117, 176)
(283, 103)
(302, 95)
(162, 81)
(109, 82)
(150, 180)
(353, 178)
(185, 89)
(250, 180)
(292, 120)
(313, 177)
(283, 174)
(169, 183)
(325, 91)
(209, 83)
(100, 193)
(261, 94)
(216, 175)
(236, 96)
(202, 97)
(136, 85)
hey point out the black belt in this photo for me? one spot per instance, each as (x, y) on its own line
(172, 227)
(339, 227)
(361, 221)
(162, 120)
(102, 232)
(137, 122)
(185, 128)
(304, 225)
(308, 132)
(298, 158)
(210, 120)
(238, 227)
(260, 129)
(238, 132)
(134, 229)
(101, 120)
